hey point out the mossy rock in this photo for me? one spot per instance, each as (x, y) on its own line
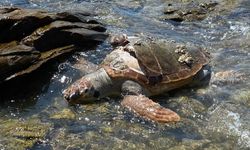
(64, 114)
(22, 134)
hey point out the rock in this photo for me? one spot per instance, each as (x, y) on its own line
(188, 107)
(64, 114)
(190, 144)
(228, 77)
(190, 10)
(242, 97)
(23, 134)
(29, 38)
(229, 122)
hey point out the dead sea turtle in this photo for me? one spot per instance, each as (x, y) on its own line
(141, 69)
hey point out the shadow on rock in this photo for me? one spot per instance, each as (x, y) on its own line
(30, 38)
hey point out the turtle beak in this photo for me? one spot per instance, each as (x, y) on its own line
(71, 96)
(68, 95)
(75, 95)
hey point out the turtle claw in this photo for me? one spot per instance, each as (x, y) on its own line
(147, 108)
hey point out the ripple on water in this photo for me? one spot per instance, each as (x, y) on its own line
(15, 2)
(227, 120)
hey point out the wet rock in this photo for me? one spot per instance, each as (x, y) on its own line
(228, 77)
(29, 38)
(161, 143)
(229, 122)
(242, 97)
(188, 107)
(189, 10)
(23, 134)
(190, 144)
(64, 114)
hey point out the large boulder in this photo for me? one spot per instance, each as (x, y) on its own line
(29, 38)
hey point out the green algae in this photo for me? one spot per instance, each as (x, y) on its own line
(64, 114)
(22, 134)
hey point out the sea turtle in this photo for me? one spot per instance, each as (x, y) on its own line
(140, 69)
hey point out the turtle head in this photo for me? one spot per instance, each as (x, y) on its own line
(89, 88)
(203, 77)
(82, 91)
(119, 40)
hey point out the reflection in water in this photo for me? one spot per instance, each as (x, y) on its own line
(213, 117)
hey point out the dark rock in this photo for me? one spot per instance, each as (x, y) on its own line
(29, 38)
(188, 11)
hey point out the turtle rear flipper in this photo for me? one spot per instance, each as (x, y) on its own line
(147, 108)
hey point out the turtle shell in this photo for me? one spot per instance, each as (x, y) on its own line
(167, 60)
(156, 61)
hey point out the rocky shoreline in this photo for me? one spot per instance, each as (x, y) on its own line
(30, 38)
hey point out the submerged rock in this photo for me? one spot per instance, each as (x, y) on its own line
(229, 122)
(242, 97)
(64, 114)
(188, 107)
(130, 4)
(24, 134)
(228, 77)
(30, 38)
(190, 10)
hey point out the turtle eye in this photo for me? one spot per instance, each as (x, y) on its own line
(96, 94)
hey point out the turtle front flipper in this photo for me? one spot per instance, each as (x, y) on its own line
(149, 109)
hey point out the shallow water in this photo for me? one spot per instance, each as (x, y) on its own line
(213, 117)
